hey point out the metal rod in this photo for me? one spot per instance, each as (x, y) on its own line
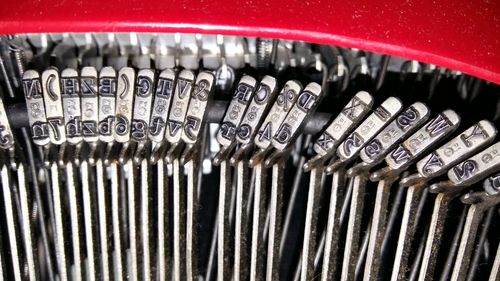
(2, 277)
(12, 225)
(330, 257)
(39, 204)
(223, 222)
(406, 232)
(31, 250)
(445, 274)
(118, 224)
(495, 268)
(468, 241)
(257, 260)
(91, 223)
(192, 218)
(146, 223)
(362, 252)
(163, 222)
(293, 197)
(61, 251)
(105, 227)
(377, 229)
(480, 245)
(275, 207)
(414, 270)
(354, 227)
(433, 240)
(18, 116)
(130, 169)
(241, 261)
(179, 200)
(309, 244)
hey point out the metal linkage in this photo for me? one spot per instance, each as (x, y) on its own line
(461, 176)
(348, 151)
(325, 146)
(480, 202)
(122, 150)
(432, 166)
(398, 161)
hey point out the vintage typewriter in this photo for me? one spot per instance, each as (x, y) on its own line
(171, 149)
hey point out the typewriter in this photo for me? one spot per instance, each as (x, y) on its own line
(179, 150)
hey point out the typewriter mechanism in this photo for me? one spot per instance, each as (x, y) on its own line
(145, 156)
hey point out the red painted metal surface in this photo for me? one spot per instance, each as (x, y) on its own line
(462, 34)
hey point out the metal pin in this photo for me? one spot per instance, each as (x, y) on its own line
(163, 222)
(91, 222)
(460, 177)
(431, 166)
(74, 195)
(120, 272)
(105, 227)
(61, 235)
(30, 248)
(480, 203)
(13, 230)
(51, 89)
(89, 103)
